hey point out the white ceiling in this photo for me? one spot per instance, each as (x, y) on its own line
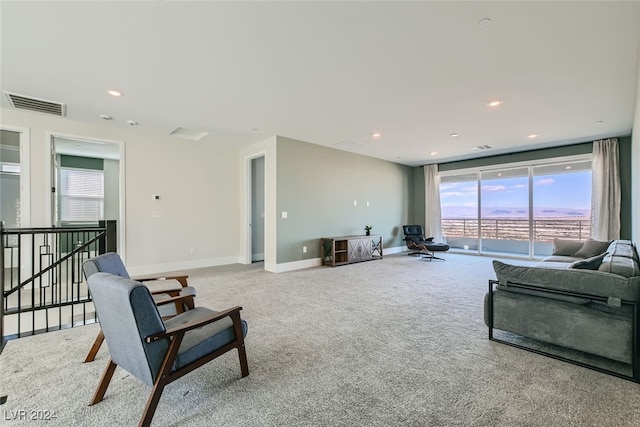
(328, 72)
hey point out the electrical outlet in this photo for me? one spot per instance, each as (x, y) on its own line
(192, 251)
(304, 249)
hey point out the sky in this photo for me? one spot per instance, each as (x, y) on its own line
(558, 195)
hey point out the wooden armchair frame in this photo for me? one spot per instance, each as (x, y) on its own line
(166, 376)
(120, 270)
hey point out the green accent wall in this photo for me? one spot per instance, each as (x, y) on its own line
(317, 185)
(624, 146)
(81, 162)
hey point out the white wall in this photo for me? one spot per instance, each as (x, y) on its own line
(198, 182)
(635, 167)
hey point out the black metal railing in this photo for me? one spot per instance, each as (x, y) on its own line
(544, 230)
(42, 284)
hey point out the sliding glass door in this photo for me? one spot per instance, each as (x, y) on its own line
(504, 213)
(561, 204)
(517, 210)
(459, 210)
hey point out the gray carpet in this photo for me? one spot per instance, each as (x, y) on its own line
(396, 342)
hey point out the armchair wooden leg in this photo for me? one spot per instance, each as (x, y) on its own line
(244, 366)
(95, 347)
(242, 354)
(152, 403)
(104, 383)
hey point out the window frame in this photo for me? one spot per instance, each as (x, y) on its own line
(531, 165)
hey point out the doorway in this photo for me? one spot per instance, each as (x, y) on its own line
(87, 177)
(257, 191)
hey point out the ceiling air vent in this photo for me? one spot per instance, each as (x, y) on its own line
(348, 145)
(481, 147)
(34, 104)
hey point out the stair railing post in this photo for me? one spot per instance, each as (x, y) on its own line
(2, 340)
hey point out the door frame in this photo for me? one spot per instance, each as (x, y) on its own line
(50, 170)
(247, 257)
(25, 172)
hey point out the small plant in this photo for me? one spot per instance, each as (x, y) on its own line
(368, 228)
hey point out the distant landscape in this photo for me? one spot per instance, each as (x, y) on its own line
(456, 212)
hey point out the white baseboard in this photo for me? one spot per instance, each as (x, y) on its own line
(395, 250)
(213, 262)
(294, 265)
(140, 270)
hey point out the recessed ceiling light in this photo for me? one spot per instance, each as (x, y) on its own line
(376, 135)
(568, 167)
(106, 117)
(494, 102)
(132, 122)
(454, 135)
(433, 153)
(114, 93)
(484, 22)
(533, 135)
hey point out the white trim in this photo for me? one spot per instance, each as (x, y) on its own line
(317, 262)
(247, 256)
(394, 250)
(25, 172)
(294, 265)
(181, 265)
(122, 242)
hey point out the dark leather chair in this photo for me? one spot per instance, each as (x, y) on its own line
(420, 245)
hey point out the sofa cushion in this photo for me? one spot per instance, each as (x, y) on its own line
(558, 258)
(591, 263)
(627, 267)
(623, 248)
(564, 247)
(591, 248)
(588, 282)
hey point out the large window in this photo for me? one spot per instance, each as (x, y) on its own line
(81, 195)
(518, 209)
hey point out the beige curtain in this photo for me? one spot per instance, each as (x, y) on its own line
(432, 222)
(605, 190)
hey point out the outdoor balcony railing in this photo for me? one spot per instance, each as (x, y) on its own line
(544, 230)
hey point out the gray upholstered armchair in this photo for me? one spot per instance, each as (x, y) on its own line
(112, 263)
(158, 352)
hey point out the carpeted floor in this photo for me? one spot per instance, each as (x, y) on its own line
(396, 342)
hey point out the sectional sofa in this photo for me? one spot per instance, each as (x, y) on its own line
(585, 297)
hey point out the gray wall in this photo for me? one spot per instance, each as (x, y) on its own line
(624, 143)
(317, 186)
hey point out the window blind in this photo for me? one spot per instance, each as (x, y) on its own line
(81, 195)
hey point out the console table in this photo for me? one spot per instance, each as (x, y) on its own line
(349, 249)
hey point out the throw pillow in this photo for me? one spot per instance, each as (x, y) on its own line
(591, 248)
(591, 263)
(562, 247)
